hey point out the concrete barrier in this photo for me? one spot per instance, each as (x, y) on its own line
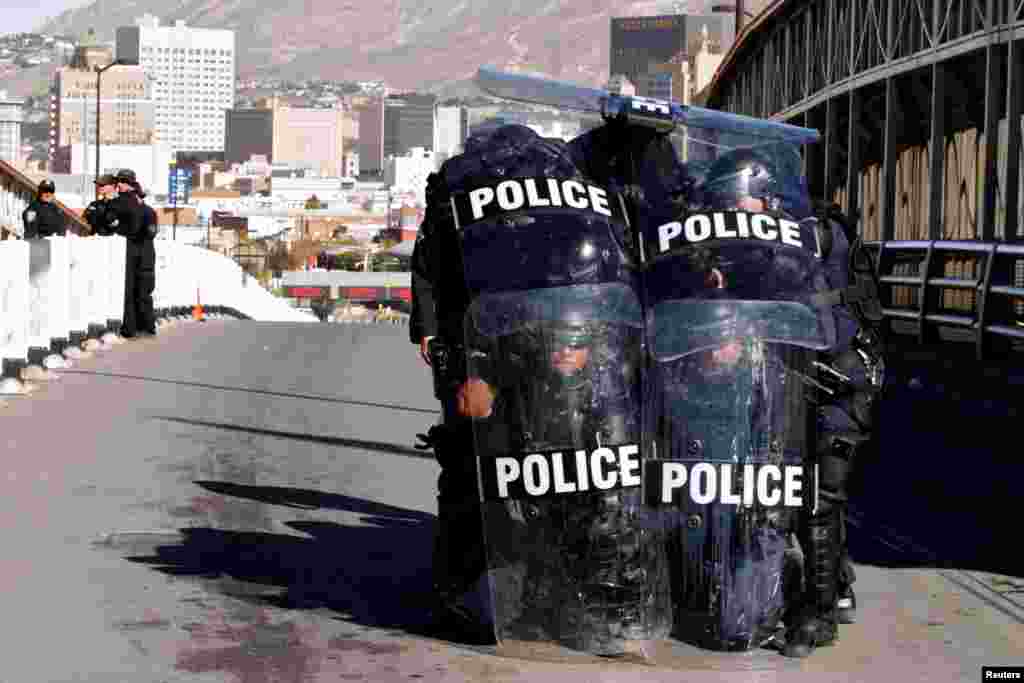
(60, 295)
(14, 307)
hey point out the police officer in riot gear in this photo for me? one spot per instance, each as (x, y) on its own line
(846, 390)
(42, 217)
(571, 384)
(137, 223)
(99, 215)
(442, 300)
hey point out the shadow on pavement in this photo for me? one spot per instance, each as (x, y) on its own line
(939, 486)
(379, 446)
(376, 574)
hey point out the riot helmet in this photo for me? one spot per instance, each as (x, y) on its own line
(764, 178)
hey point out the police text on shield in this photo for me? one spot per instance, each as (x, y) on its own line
(704, 482)
(560, 472)
(725, 225)
(518, 194)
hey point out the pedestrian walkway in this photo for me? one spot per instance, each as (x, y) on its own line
(235, 500)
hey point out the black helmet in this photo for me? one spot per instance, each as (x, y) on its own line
(47, 187)
(770, 173)
(126, 175)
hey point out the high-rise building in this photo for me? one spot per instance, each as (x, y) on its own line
(408, 123)
(449, 131)
(641, 46)
(11, 115)
(193, 71)
(370, 113)
(127, 114)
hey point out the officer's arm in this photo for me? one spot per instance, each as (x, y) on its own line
(30, 219)
(423, 321)
(128, 216)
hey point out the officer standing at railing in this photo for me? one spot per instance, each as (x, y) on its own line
(99, 215)
(43, 218)
(137, 223)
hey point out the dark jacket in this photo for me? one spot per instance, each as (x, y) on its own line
(100, 217)
(439, 295)
(43, 219)
(131, 217)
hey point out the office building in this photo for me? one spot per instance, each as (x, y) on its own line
(127, 111)
(408, 123)
(11, 116)
(370, 113)
(311, 137)
(193, 71)
(641, 46)
(449, 131)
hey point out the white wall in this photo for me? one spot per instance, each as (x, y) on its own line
(58, 285)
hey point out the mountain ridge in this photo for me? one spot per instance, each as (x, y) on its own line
(409, 44)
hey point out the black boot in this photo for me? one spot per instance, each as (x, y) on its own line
(846, 601)
(458, 564)
(815, 622)
(846, 606)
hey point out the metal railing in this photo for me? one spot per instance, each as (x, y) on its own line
(17, 191)
(983, 304)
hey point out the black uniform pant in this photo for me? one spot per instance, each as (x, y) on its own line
(139, 283)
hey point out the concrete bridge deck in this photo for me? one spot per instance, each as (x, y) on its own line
(239, 501)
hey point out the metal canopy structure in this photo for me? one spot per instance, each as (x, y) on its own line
(920, 104)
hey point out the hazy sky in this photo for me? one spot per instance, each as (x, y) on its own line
(21, 16)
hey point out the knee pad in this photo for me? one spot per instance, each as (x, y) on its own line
(835, 460)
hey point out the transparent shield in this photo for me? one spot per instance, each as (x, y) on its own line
(730, 429)
(558, 447)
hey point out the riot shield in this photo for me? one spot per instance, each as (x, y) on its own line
(734, 319)
(553, 352)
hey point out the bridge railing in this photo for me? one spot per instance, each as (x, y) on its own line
(17, 191)
(958, 291)
(59, 292)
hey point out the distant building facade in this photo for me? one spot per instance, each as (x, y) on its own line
(370, 113)
(408, 123)
(651, 51)
(12, 113)
(194, 79)
(127, 109)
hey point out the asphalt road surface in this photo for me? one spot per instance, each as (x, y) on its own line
(240, 501)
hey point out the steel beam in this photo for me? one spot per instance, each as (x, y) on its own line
(937, 153)
(887, 208)
(829, 154)
(853, 161)
(817, 155)
(1014, 112)
(993, 105)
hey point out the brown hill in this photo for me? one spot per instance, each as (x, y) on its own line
(414, 44)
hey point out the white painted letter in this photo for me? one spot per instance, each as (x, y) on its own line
(668, 232)
(478, 199)
(673, 476)
(508, 471)
(601, 480)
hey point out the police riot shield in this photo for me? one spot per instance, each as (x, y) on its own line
(734, 320)
(553, 341)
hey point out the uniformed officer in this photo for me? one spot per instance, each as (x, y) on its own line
(43, 218)
(137, 223)
(98, 214)
(853, 373)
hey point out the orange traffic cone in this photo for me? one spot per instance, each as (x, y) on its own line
(197, 311)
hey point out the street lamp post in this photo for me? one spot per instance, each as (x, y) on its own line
(99, 74)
